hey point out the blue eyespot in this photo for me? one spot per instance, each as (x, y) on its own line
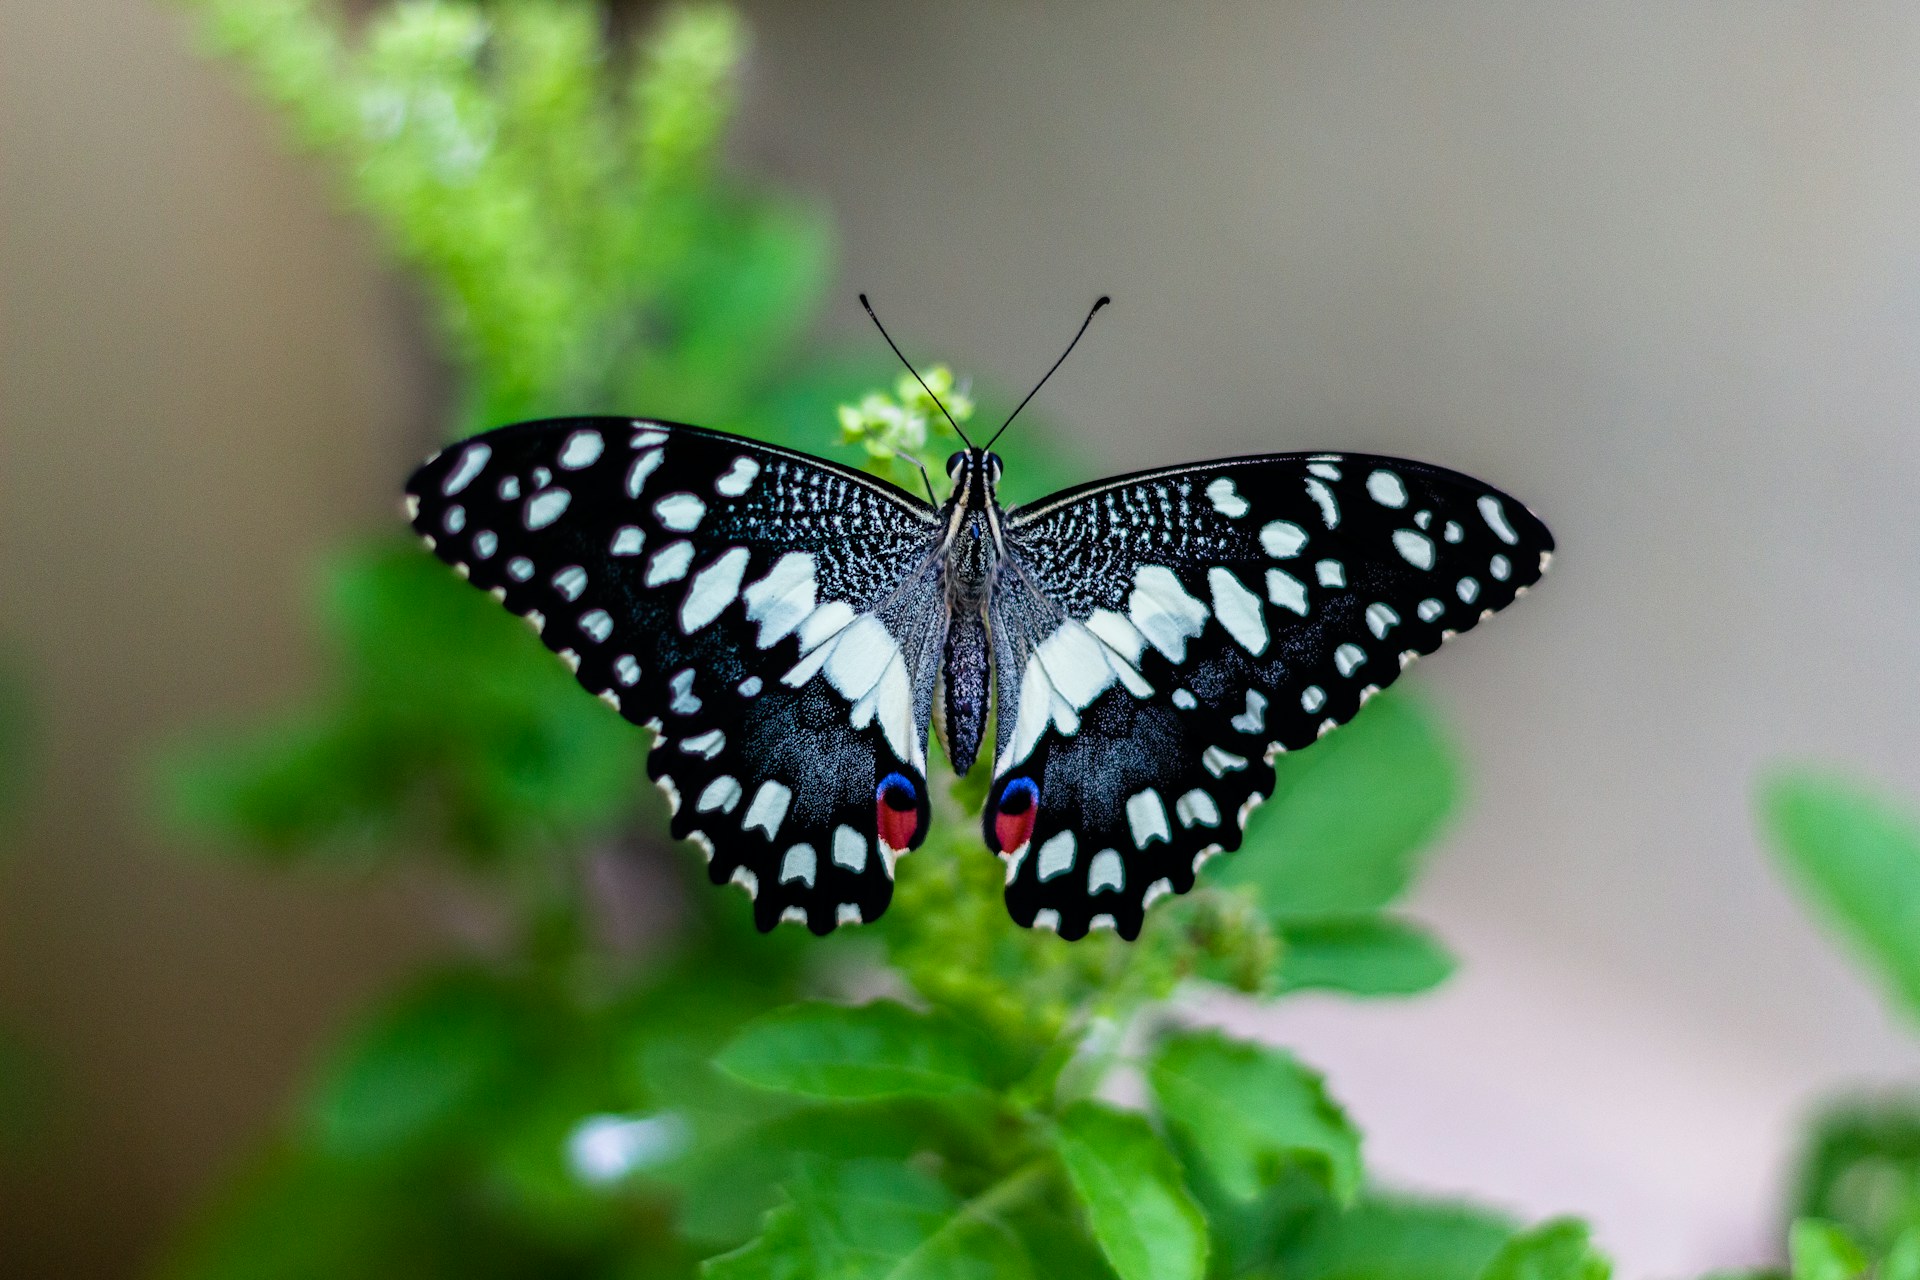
(895, 791)
(1020, 795)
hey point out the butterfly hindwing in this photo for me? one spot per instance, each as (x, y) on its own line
(1160, 637)
(764, 613)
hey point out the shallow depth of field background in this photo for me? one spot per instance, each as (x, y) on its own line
(1654, 268)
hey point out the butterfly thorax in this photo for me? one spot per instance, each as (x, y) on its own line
(972, 560)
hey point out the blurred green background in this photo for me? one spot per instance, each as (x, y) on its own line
(1648, 268)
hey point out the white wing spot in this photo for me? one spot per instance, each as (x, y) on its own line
(1225, 499)
(455, 520)
(751, 686)
(1119, 634)
(572, 660)
(542, 477)
(597, 624)
(849, 849)
(681, 686)
(801, 863)
(705, 745)
(1329, 507)
(1056, 856)
(1415, 548)
(485, 543)
(713, 589)
(1282, 539)
(1221, 763)
(1496, 517)
(626, 669)
(768, 811)
(1430, 609)
(1331, 573)
(644, 465)
(1163, 611)
(1424, 519)
(680, 512)
(1287, 591)
(645, 436)
(545, 507)
(510, 488)
(738, 479)
(1500, 567)
(1381, 619)
(1312, 698)
(1147, 816)
(583, 449)
(1157, 890)
(1196, 808)
(472, 461)
(1047, 918)
(536, 619)
(723, 793)
(1386, 488)
(1452, 531)
(1106, 873)
(1349, 658)
(1184, 699)
(1468, 590)
(570, 581)
(669, 563)
(742, 877)
(782, 600)
(1254, 719)
(1238, 610)
(627, 541)
(520, 568)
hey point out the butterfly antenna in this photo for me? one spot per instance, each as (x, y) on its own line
(915, 372)
(1104, 300)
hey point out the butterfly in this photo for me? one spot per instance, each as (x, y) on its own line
(790, 629)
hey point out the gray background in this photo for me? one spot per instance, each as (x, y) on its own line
(1655, 268)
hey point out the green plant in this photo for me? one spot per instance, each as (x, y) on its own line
(722, 1105)
(1855, 854)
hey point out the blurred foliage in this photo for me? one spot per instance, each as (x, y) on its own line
(1855, 854)
(24, 1082)
(719, 1107)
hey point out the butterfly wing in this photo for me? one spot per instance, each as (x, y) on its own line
(1160, 637)
(773, 618)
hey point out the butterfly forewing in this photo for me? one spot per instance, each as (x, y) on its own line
(1159, 638)
(770, 616)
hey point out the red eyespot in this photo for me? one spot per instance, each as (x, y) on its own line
(896, 812)
(1013, 820)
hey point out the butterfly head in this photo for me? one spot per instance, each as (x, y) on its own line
(974, 473)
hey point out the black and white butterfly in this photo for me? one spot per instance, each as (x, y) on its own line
(790, 628)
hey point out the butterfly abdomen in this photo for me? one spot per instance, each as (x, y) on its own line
(964, 689)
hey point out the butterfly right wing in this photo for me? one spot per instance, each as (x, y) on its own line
(775, 619)
(1160, 637)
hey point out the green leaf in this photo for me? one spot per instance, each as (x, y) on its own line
(1861, 1168)
(1557, 1250)
(1823, 1251)
(1248, 1112)
(1349, 815)
(873, 1220)
(1126, 1179)
(1370, 955)
(1902, 1261)
(438, 1054)
(876, 1050)
(1397, 1239)
(1857, 855)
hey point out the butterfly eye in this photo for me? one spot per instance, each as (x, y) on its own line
(954, 463)
(993, 468)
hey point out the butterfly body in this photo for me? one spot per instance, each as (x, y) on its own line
(792, 630)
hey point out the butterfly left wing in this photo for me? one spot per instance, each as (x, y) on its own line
(1159, 638)
(775, 619)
